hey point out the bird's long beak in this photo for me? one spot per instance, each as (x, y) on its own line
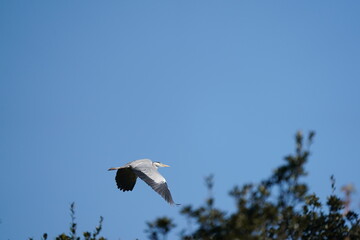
(164, 165)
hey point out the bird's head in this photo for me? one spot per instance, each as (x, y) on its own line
(159, 164)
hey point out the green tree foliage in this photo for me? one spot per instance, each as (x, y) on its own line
(73, 230)
(160, 227)
(278, 207)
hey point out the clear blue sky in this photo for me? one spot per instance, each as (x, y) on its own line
(205, 86)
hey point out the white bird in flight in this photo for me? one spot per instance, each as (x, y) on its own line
(146, 170)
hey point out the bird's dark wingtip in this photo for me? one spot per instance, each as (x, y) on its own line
(124, 190)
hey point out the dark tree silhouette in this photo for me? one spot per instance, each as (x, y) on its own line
(278, 207)
(160, 227)
(73, 230)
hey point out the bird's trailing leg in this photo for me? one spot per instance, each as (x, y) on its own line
(115, 168)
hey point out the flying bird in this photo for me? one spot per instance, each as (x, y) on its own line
(146, 170)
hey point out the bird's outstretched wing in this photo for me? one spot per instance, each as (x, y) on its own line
(125, 179)
(157, 182)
